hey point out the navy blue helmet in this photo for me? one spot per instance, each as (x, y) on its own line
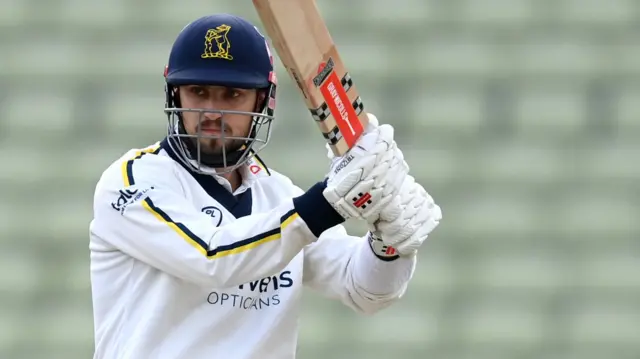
(220, 50)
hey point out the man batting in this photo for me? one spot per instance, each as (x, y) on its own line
(199, 250)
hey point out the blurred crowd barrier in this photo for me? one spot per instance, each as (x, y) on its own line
(521, 118)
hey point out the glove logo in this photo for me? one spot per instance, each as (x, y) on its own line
(343, 164)
(381, 250)
(388, 250)
(362, 200)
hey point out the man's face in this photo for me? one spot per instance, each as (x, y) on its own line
(217, 98)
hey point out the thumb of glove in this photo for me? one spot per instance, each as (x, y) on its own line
(371, 126)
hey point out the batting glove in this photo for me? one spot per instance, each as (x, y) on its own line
(405, 223)
(368, 177)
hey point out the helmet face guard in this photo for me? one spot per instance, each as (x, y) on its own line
(234, 152)
(220, 50)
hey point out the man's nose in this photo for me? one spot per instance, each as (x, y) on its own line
(212, 116)
(215, 107)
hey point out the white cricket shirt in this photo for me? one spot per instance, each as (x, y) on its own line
(183, 268)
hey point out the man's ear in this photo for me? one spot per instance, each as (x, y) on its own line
(260, 98)
(176, 96)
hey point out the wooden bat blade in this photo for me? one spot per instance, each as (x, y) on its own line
(305, 47)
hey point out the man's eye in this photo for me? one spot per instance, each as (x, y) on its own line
(198, 91)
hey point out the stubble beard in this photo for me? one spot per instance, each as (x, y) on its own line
(215, 146)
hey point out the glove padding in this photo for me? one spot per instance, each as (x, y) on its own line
(405, 223)
(368, 177)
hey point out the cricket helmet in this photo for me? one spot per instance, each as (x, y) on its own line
(220, 50)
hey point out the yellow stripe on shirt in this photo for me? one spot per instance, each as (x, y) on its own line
(224, 250)
(190, 237)
(127, 166)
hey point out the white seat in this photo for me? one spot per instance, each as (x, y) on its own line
(181, 14)
(25, 162)
(60, 222)
(89, 165)
(494, 216)
(20, 274)
(455, 110)
(609, 270)
(26, 114)
(92, 14)
(136, 57)
(412, 11)
(603, 320)
(520, 270)
(134, 112)
(547, 112)
(451, 54)
(611, 12)
(77, 321)
(11, 326)
(366, 56)
(507, 163)
(497, 12)
(436, 274)
(77, 277)
(614, 162)
(42, 57)
(412, 327)
(596, 216)
(305, 165)
(444, 165)
(628, 120)
(624, 58)
(502, 321)
(14, 13)
(68, 220)
(554, 54)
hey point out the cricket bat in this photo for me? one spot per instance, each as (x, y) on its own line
(302, 41)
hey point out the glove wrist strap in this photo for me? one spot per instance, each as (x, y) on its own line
(382, 251)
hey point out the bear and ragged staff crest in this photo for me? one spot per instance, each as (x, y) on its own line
(217, 36)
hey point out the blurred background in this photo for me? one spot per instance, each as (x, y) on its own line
(521, 117)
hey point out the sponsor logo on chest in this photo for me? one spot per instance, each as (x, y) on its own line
(257, 295)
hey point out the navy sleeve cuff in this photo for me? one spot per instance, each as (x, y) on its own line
(315, 211)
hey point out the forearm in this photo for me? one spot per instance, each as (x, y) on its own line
(378, 279)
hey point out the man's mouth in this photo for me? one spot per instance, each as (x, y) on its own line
(211, 130)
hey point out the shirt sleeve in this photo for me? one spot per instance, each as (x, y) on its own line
(148, 217)
(344, 267)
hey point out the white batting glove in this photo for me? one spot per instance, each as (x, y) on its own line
(365, 180)
(405, 223)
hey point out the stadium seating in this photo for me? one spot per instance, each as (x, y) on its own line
(521, 117)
